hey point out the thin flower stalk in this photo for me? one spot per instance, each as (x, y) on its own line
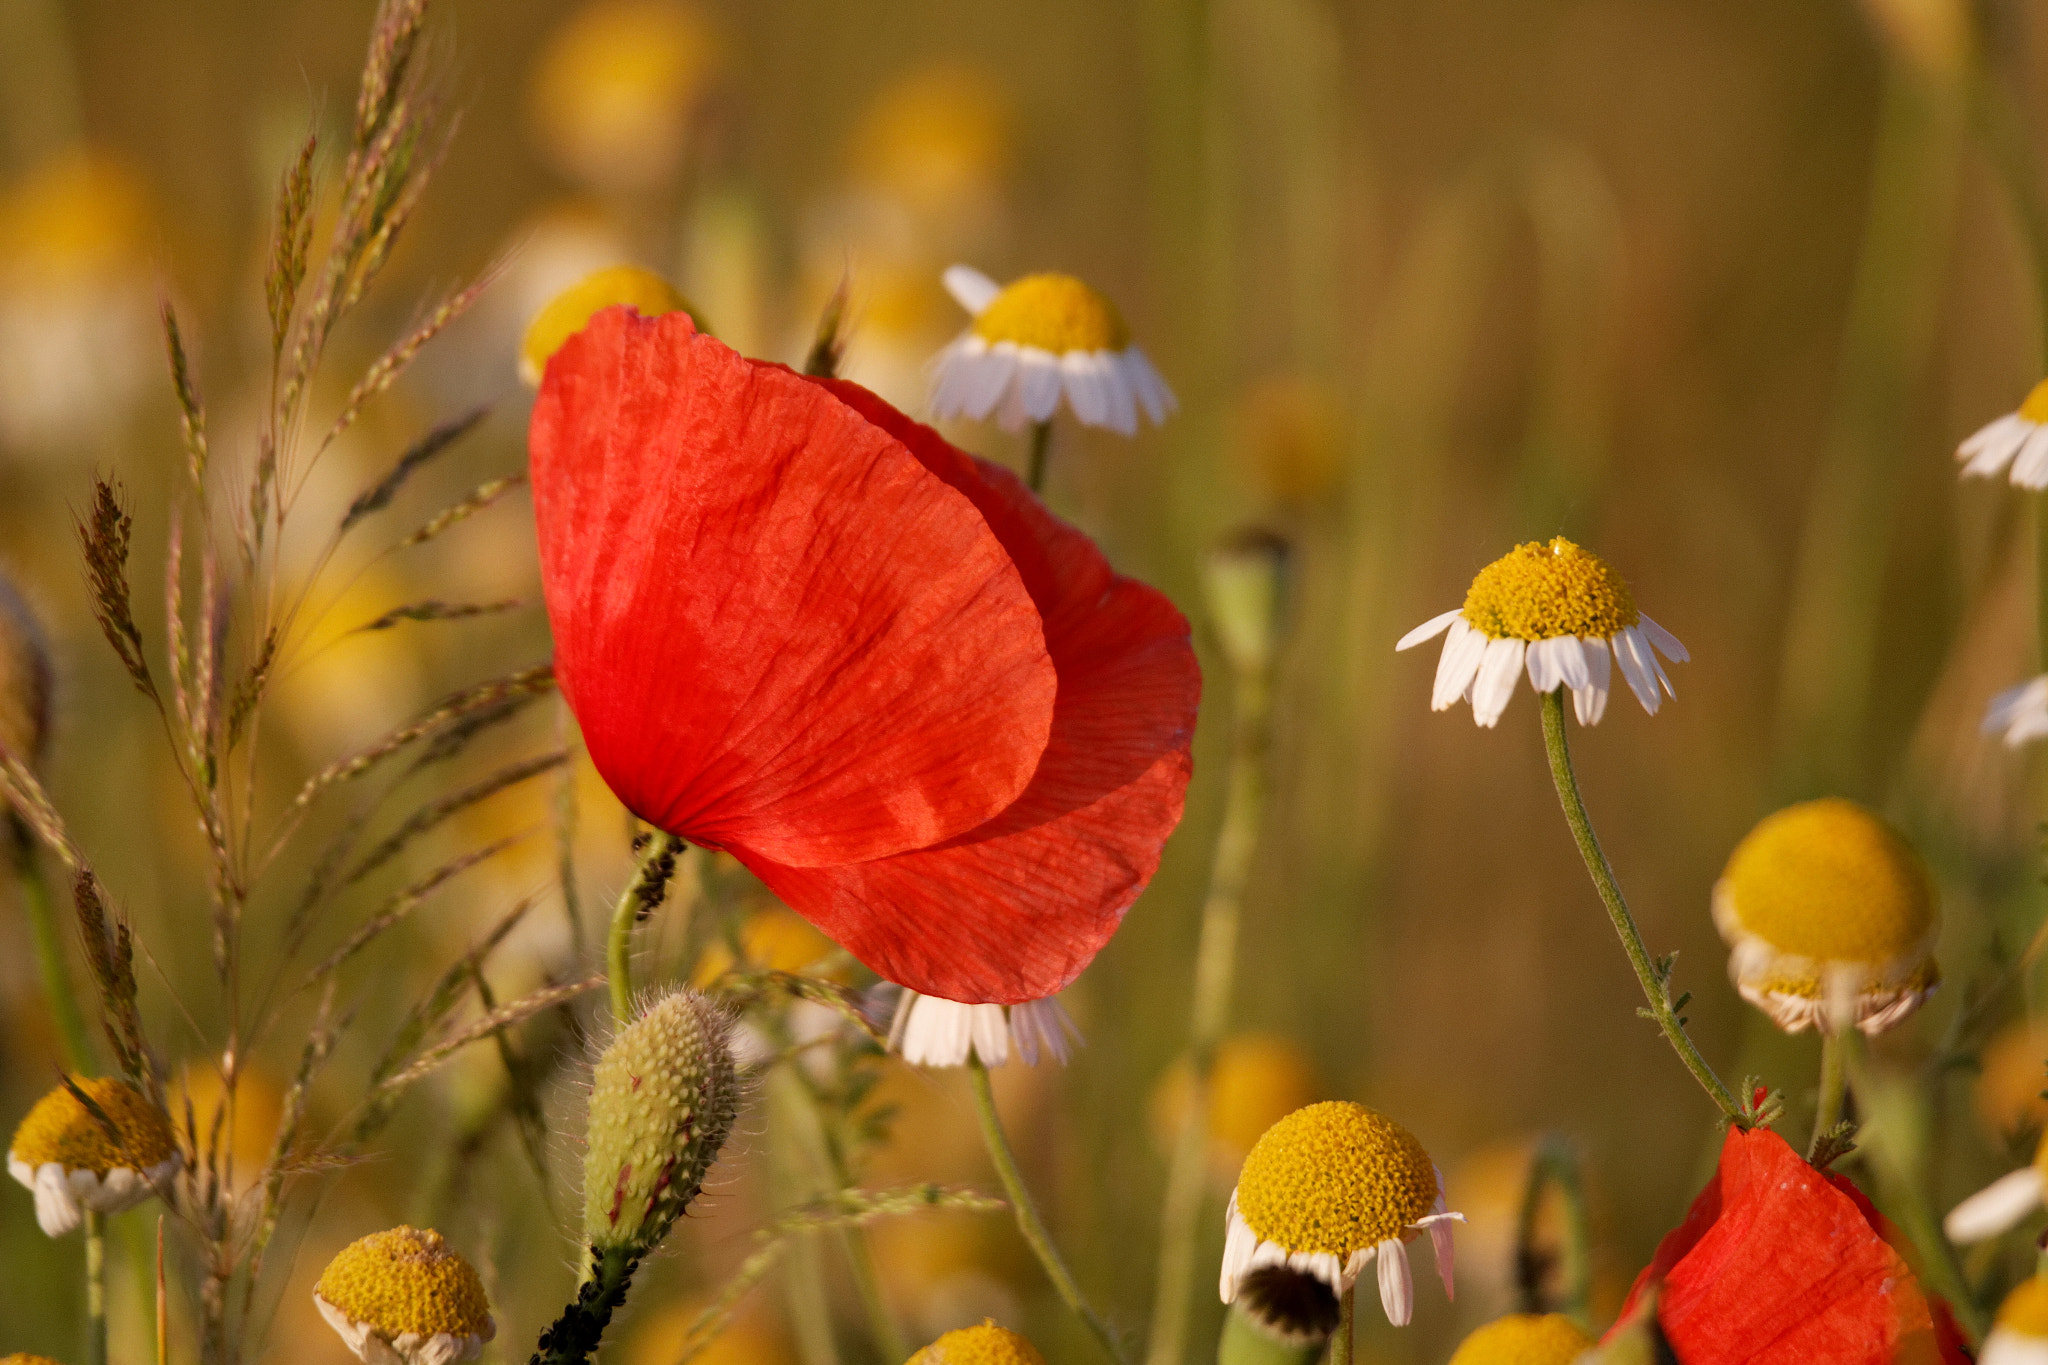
(1833, 1085)
(1029, 1223)
(1655, 980)
(49, 946)
(642, 896)
(95, 1288)
(1041, 450)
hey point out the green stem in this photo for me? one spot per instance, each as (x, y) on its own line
(1341, 1347)
(1654, 981)
(95, 1288)
(1834, 1081)
(1556, 1163)
(1041, 447)
(573, 1338)
(1215, 969)
(50, 960)
(642, 896)
(1028, 1221)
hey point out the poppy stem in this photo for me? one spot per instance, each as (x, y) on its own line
(50, 960)
(1556, 1162)
(1041, 447)
(1654, 975)
(95, 1288)
(1834, 1083)
(1028, 1221)
(1215, 967)
(641, 898)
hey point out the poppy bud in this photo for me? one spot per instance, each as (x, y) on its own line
(661, 1104)
(1245, 582)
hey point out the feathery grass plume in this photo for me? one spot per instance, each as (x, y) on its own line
(433, 609)
(479, 498)
(379, 494)
(191, 413)
(104, 534)
(110, 953)
(434, 812)
(291, 239)
(663, 1098)
(504, 1016)
(402, 903)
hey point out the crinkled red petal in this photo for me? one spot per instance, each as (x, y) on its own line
(1015, 909)
(776, 627)
(1775, 1265)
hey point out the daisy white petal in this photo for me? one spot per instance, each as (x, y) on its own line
(2020, 712)
(1542, 666)
(2030, 466)
(1991, 458)
(1038, 378)
(1666, 643)
(1122, 386)
(1458, 665)
(2007, 1347)
(1996, 1208)
(1081, 373)
(1397, 1285)
(1632, 652)
(970, 288)
(1495, 683)
(1151, 390)
(1429, 630)
(2007, 431)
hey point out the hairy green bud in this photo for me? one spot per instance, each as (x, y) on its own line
(661, 1104)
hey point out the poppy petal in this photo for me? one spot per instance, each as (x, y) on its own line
(1012, 911)
(691, 506)
(1775, 1265)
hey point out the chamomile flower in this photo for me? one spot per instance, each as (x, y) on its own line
(404, 1297)
(75, 1159)
(986, 1344)
(2000, 1205)
(1035, 339)
(930, 1031)
(1525, 1339)
(566, 314)
(1554, 610)
(1330, 1188)
(2019, 1335)
(1830, 918)
(2019, 713)
(2018, 440)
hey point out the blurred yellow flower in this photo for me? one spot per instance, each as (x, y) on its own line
(938, 140)
(1525, 1339)
(2012, 1073)
(1290, 438)
(750, 1338)
(772, 939)
(78, 327)
(565, 315)
(614, 90)
(1259, 1079)
(986, 1344)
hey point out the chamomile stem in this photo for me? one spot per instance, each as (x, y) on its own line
(50, 961)
(1556, 1163)
(1834, 1081)
(1602, 873)
(95, 1288)
(1347, 1325)
(1026, 1210)
(642, 895)
(1041, 446)
(1215, 968)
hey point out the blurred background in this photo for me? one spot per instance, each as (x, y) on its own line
(1711, 286)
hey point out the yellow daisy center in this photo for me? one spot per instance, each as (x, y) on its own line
(1829, 880)
(1525, 1339)
(1055, 313)
(406, 1280)
(1539, 592)
(987, 1344)
(2035, 409)
(60, 1129)
(569, 311)
(2025, 1310)
(1335, 1177)
(24, 1358)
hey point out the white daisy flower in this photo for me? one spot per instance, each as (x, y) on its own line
(105, 1159)
(2001, 1205)
(1038, 338)
(2019, 713)
(404, 1297)
(1555, 611)
(929, 1031)
(2018, 439)
(1330, 1189)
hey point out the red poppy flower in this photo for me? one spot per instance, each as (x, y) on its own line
(800, 627)
(1777, 1263)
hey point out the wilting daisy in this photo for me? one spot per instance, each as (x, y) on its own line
(925, 712)
(930, 1031)
(2002, 1204)
(77, 1160)
(404, 1297)
(1525, 1339)
(1038, 338)
(2019, 713)
(2019, 1336)
(1554, 610)
(2018, 439)
(1330, 1188)
(1830, 918)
